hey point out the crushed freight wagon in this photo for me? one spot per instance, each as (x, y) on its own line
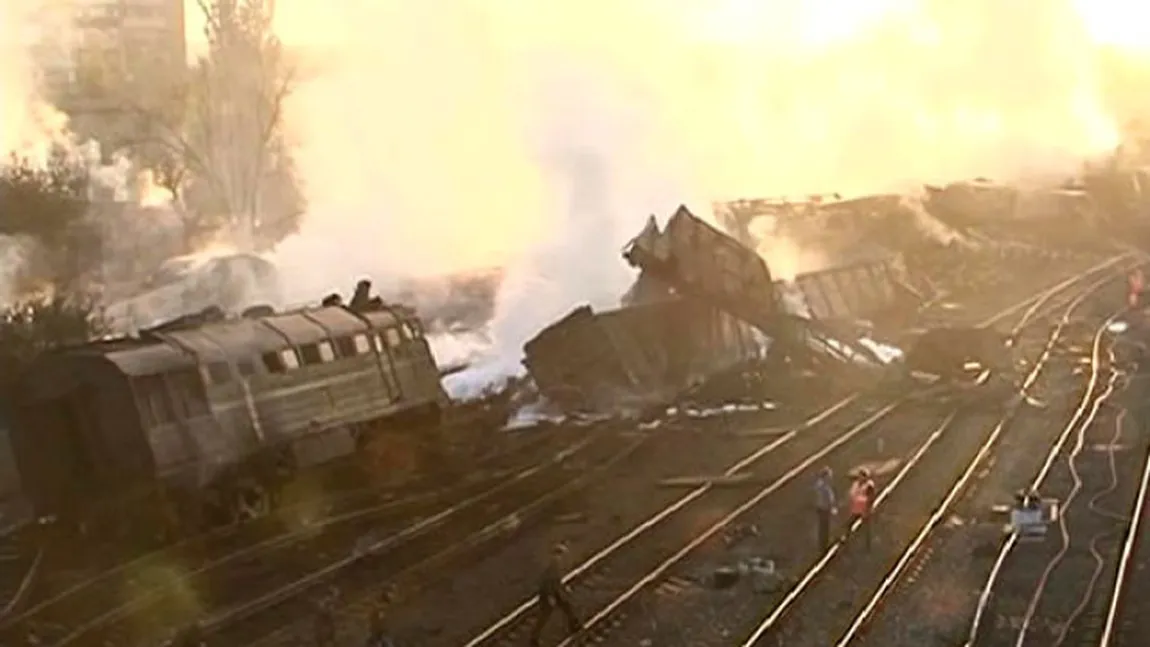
(636, 356)
(698, 261)
(861, 290)
(704, 305)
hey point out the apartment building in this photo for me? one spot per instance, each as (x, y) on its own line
(88, 52)
(129, 38)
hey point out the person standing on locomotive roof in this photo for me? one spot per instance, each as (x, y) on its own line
(862, 496)
(825, 506)
(553, 593)
(361, 298)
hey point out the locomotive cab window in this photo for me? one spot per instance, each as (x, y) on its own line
(281, 362)
(290, 359)
(326, 351)
(392, 337)
(309, 353)
(362, 344)
(346, 346)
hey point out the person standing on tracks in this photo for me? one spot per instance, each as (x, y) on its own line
(553, 593)
(825, 506)
(862, 496)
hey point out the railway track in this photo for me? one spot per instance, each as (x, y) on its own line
(861, 581)
(1126, 623)
(1053, 593)
(927, 597)
(622, 571)
(19, 567)
(159, 584)
(57, 621)
(219, 545)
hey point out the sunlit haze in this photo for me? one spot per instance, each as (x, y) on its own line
(445, 135)
(454, 133)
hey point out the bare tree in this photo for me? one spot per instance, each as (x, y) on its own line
(215, 140)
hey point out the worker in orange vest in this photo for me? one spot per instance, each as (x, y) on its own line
(1137, 282)
(862, 496)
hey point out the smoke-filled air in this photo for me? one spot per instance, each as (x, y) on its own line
(455, 135)
(461, 134)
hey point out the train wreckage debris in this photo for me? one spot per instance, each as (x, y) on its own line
(706, 306)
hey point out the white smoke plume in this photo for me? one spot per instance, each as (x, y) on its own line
(453, 134)
(29, 126)
(540, 137)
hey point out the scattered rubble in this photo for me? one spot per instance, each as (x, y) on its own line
(718, 480)
(760, 573)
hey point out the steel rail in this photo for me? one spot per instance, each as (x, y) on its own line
(1138, 514)
(486, 494)
(941, 510)
(1032, 304)
(1051, 457)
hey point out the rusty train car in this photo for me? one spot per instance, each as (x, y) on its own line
(195, 412)
(637, 355)
(698, 261)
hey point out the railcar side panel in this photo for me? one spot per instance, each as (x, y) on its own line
(643, 353)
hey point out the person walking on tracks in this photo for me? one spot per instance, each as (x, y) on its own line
(553, 593)
(862, 496)
(825, 506)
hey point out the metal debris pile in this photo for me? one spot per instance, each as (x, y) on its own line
(707, 323)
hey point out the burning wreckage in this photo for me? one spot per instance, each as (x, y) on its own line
(706, 306)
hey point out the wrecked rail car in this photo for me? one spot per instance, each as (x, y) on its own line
(1065, 211)
(832, 228)
(697, 261)
(861, 290)
(636, 356)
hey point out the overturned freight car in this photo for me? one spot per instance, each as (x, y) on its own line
(852, 291)
(698, 261)
(636, 356)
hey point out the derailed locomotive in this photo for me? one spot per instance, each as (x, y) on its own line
(191, 416)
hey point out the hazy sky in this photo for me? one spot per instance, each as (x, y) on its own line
(1117, 22)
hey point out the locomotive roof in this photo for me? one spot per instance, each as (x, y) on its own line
(175, 347)
(150, 359)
